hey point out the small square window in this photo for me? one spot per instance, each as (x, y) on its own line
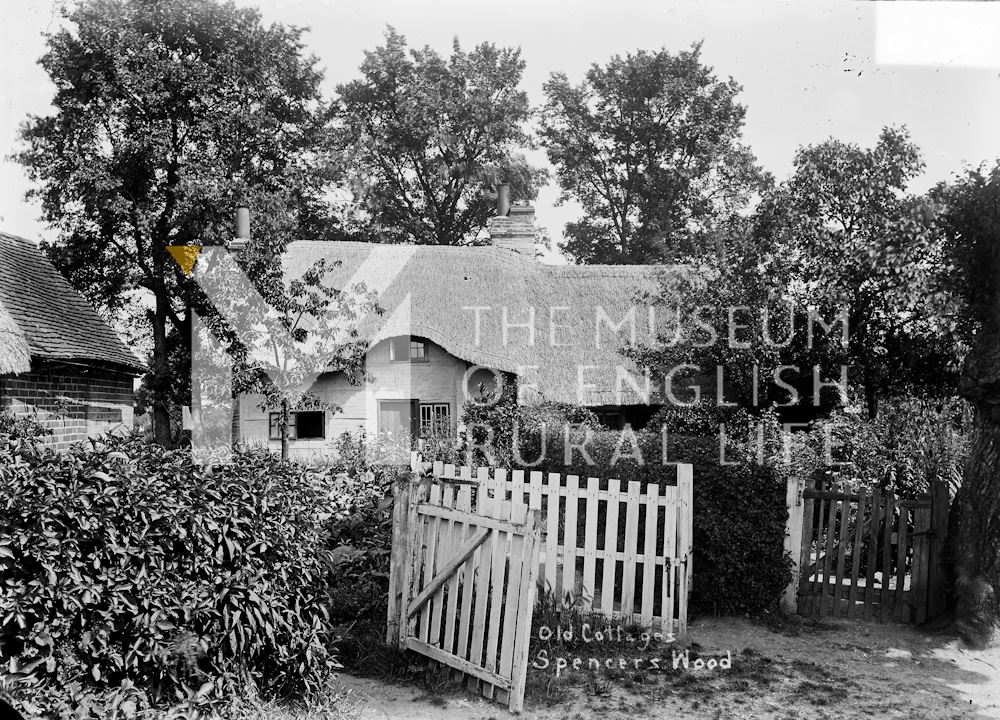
(406, 349)
(310, 425)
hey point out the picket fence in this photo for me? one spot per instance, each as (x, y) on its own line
(615, 548)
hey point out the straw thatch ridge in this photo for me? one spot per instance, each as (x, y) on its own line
(15, 357)
(432, 292)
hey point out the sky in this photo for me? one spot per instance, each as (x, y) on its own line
(810, 70)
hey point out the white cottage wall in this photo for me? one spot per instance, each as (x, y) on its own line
(440, 379)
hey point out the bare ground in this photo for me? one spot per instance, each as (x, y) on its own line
(834, 669)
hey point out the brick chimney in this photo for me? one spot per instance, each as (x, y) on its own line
(513, 227)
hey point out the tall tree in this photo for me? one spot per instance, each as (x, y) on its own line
(167, 112)
(649, 145)
(971, 221)
(732, 315)
(427, 138)
(849, 237)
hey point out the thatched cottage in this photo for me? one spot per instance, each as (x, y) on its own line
(456, 318)
(59, 361)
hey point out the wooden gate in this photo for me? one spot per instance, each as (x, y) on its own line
(867, 556)
(462, 583)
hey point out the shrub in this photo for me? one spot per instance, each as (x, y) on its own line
(122, 563)
(26, 429)
(361, 545)
(740, 565)
(910, 444)
(360, 531)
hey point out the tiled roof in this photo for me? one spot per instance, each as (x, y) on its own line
(58, 323)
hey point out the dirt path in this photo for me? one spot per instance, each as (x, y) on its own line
(833, 670)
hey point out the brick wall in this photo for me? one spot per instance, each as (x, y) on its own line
(74, 402)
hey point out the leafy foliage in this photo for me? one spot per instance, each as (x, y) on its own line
(739, 531)
(428, 137)
(735, 318)
(846, 235)
(125, 565)
(26, 429)
(649, 145)
(971, 223)
(167, 114)
(910, 444)
(361, 542)
(307, 329)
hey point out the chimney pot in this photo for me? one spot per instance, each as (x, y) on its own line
(242, 228)
(503, 199)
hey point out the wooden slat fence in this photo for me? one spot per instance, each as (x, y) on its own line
(621, 550)
(867, 556)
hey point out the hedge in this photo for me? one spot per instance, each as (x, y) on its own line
(127, 571)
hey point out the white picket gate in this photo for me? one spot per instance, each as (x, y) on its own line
(598, 541)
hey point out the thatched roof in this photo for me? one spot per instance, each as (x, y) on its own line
(445, 284)
(15, 357)
(54, 319)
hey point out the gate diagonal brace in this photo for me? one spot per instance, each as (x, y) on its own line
(446, 572)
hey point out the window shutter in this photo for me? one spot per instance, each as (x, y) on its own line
(414, 420)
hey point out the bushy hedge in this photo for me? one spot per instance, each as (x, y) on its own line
(26, 429)
(132, 571)
(361, 538)
(912, 443)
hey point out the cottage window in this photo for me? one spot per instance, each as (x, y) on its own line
(611, 419)
(406, 349)
(310, 425)
(435, 420)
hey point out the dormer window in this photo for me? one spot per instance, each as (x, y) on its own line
(407, 349)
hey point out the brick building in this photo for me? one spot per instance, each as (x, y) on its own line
(59, 361)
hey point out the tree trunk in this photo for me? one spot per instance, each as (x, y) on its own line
(871, 398)
(975, 534)
(161, 373)
(284, 429)
(975, 514)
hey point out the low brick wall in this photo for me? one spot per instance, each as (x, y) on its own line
(74, 402)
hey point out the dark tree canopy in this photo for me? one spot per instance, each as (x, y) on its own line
(426, 139)
(649, 145)
(971, 222)
(167, 113)
(848, 235)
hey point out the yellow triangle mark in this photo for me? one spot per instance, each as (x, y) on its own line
(185, 255)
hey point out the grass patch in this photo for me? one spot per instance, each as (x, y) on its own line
(822, 694)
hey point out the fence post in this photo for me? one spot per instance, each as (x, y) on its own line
(923, 526)
(939, 538)
(400, 514)
(685, 501)
(793, 542)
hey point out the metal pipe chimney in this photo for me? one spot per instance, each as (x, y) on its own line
(242, 228)
(503, 199)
